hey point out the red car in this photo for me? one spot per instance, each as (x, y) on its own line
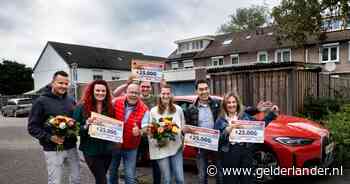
(289, 141)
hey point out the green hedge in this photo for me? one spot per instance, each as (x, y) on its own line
(339, 125)
(319, 108)
(335, 113)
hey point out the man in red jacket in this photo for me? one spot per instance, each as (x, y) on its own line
(134, 113)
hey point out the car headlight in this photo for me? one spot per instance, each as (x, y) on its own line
(294, 141)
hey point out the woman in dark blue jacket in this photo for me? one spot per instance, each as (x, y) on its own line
(235, 154)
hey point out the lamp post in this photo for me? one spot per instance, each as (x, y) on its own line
(75, 78)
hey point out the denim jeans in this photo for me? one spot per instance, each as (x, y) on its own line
(172, 166)
(156, 172)
(129, 163)
(202, 166)
(56, 161)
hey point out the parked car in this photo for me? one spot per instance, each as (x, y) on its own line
(289, 142)
(17, 107)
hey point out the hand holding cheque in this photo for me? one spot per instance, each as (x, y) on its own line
(106, 128)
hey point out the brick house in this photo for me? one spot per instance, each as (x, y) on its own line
(249, 48)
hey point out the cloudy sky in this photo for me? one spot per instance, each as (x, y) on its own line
(148, 26)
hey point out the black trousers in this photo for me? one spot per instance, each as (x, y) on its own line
(99, 166)
(238, 156)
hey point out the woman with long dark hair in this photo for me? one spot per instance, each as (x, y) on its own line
(236, 154)
(97, 152)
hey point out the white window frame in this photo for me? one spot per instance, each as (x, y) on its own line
(227, 42)
(174, 65)
(217, 58)
(97, 74)
(232, 56)
(349, 51)
(260, 53)
(188, 63)
(282, 51)
(329, 46)
(306, 55)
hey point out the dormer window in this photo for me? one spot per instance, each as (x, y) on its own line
(197, 44)
(227, 42)
(193, 44)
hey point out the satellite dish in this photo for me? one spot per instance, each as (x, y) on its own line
(330, 67)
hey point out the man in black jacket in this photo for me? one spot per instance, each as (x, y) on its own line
(54, 101)
(203, 113)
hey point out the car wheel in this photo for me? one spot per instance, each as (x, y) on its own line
(265, 158)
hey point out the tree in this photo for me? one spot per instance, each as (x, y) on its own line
(246, 19)
(298, 20)
(15, 78)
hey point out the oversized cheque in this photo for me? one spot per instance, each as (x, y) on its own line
(249, 131)
(152, 72)
(204, 138)
(107, 129)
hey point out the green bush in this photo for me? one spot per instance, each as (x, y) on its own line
(339, 125)
(319, 108)
(335, 112)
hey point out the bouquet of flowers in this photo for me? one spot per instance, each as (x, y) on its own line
(63, 126)
(163, 130)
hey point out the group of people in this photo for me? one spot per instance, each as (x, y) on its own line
(134, 104)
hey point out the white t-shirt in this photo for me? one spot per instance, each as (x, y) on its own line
(172, 147)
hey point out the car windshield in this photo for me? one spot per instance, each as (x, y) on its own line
(25, 101)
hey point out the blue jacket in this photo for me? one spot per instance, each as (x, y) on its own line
(221, 124)
(46, 106)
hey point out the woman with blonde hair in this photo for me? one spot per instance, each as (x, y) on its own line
(236, 154)
(168, 155)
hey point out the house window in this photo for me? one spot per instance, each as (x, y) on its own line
(115, 78)
(262, 57)
(188, 63)
(197, 44)
(349, 51)
(331, 24)
(97, 77)
(348, 23)
(329, 53)
(283, 55)
(235, 59)
(174, 65)
(217, 61)
(306, 55)
(226, 42)
(183, 47)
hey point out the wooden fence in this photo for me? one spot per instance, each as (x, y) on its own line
(284, 84)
